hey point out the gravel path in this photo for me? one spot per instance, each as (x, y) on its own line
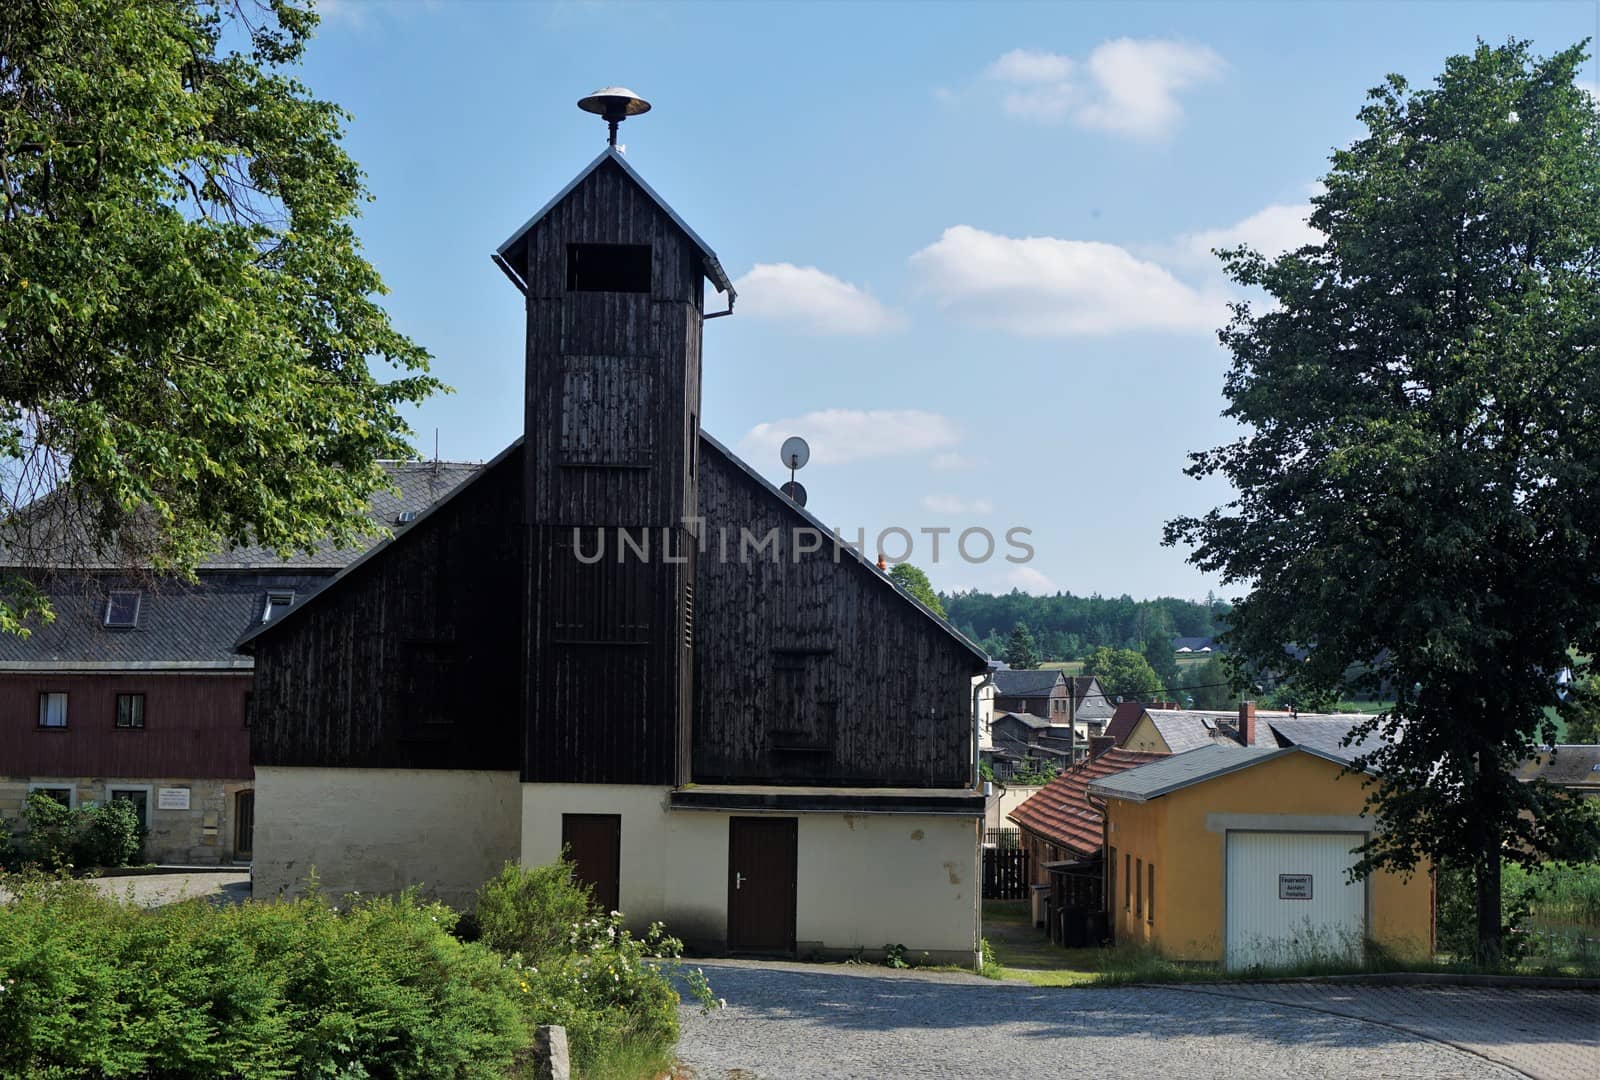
(832, 1022)
(153, 890)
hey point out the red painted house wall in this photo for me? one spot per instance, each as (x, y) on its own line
(195, 726)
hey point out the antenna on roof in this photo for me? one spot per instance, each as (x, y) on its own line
(614, 104)
(795, 453)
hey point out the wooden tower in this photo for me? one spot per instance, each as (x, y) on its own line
(615, 286)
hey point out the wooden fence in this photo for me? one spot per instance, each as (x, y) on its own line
(1005, 874)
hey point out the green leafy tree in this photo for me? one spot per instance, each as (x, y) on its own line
(1419, 480)
(188, 331)
(1123, 673)
(1210, 685)
(1021, 653)
(915, 582)
(1582, 714)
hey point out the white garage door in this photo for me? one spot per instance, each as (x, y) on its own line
(1289, 898)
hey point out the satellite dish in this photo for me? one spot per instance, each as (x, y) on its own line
(795, 453)
(795, 492)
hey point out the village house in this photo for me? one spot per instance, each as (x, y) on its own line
(1240, 855)
(773, 752)
(135, 690)
(1159, 730)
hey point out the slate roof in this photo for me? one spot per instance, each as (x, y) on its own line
(1037, 682)
(1089, 701)
(1568, 765)
(197, 625)
(420, 484)
(1190, 729)
(1037, 723)
(181, 626)
(1321, 731)
(1061, 813)
(1176, 771)
(509, 256)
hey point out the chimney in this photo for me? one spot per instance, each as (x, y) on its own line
(1099, 744)
(883, 563)
(1247, 722)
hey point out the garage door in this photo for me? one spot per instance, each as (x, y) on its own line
(1289, 898)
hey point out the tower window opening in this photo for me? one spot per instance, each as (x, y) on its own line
(608, 268)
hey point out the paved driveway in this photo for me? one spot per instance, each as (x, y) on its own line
(153, 890)
(832, 1022)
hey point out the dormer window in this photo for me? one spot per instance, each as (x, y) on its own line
(278, 601)
(405, 517)
(122, 609)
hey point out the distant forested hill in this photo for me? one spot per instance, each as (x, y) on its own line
(1067, 627)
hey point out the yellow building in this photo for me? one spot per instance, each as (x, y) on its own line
(1240, 856)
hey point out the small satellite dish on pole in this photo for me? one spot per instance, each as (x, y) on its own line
(614, 104)
(794, 455)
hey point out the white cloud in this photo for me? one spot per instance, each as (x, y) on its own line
(951, 461)
(1272, 231)
(1030, 580)
(1138, 82)
(1030, 66)
(1131, 86)
(1043, 286)
(951, 504)
(839, 436)
(820, 302)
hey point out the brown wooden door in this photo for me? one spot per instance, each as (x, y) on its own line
(244, 824)
(594, 844)
(761, 885)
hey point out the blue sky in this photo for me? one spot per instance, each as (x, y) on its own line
(970, 240)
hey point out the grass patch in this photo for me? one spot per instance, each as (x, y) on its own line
(1022, 953)
(629, 1058)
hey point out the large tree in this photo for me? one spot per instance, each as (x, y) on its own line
(915, 581)
(1123, 673)
(1021, 652)
(186, 321)
(1418, 487)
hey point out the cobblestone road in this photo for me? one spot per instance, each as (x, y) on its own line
(835, 1022)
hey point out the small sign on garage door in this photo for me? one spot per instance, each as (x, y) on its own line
(1294, 886)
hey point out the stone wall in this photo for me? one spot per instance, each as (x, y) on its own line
(202, 835)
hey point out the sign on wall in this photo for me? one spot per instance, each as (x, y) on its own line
(172, 798)
(1294, 886)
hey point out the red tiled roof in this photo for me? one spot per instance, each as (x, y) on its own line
(1061, 814)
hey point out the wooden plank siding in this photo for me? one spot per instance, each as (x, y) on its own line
(815, 671)
(194, 726)
(412, 659)
(613, 390)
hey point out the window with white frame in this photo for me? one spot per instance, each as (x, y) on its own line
(53, 709)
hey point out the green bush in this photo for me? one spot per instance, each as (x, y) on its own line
(531, 910)
(95, 988)
(583, 969)
(89, 835)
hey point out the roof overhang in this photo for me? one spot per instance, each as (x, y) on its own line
(950, 802)
(512, 254)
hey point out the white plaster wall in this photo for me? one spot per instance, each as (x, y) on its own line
(985, 713)
(380, 830)
(864, 880)
(1002, 802)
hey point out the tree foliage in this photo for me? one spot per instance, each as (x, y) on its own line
(914, 581)
(187, 325)
(1021, 653)
(1123, 673)
(1420, 477)
(1066, 627)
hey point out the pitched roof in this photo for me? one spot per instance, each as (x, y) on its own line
(1034, 682)
(1322, 731)
(1037, 723)
(180, 625)
(1089, 700)
(1123, 717)
(419, 484)
(506, 256)
(1061, 813)
(714, 446)
(1571, 765)
(1178, 771)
